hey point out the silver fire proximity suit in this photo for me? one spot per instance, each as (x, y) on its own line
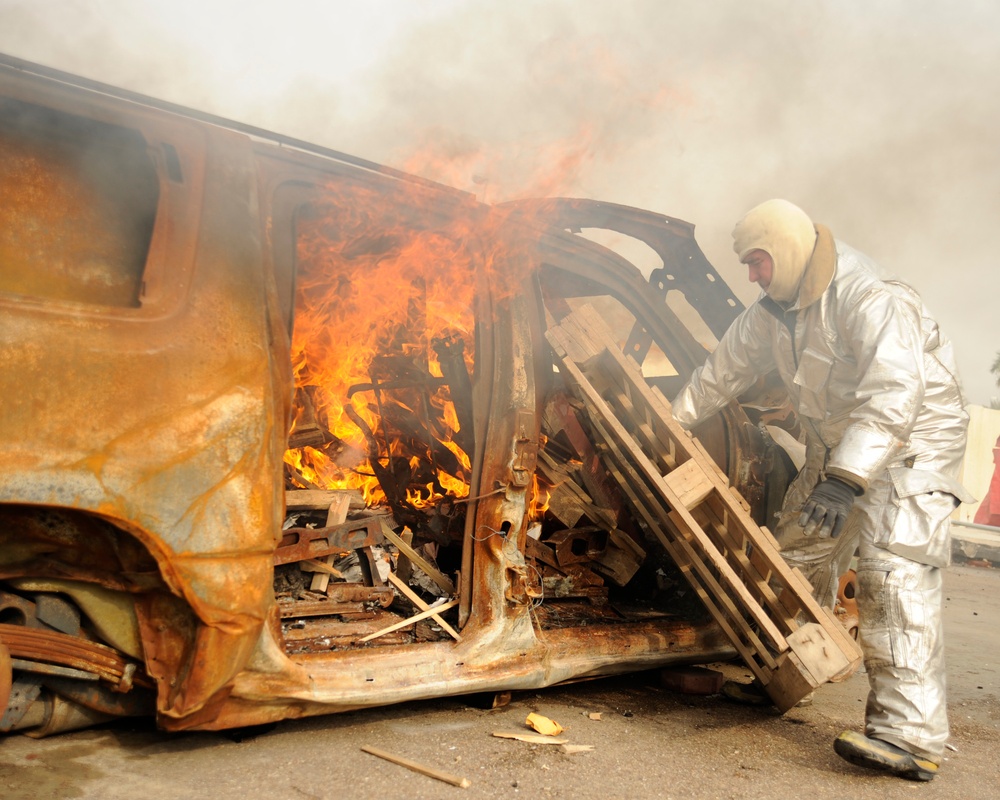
(874, 383)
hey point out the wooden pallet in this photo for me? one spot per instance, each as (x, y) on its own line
(766, 608)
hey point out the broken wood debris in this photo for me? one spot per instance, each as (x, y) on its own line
(561, 419)
(765, 607)
(531, 738)
(341, 568)
(621, 559)
(547, 732)
(295, 478)
(568, 501)
(419, 561)
(433, 611)
(579, 562)
(430, 772)
(414, 598)
(339, 598)
(590, 553)
(578, 545)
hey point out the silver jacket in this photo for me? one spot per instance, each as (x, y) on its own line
(873, 381)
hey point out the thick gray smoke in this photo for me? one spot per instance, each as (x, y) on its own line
(878, 118)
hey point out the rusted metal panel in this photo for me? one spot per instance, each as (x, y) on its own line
(298, 544)
(685, 267)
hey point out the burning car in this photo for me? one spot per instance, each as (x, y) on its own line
(282, 434)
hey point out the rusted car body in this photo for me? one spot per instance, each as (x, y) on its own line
(161, 284)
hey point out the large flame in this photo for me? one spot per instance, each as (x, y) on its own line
(378, 283)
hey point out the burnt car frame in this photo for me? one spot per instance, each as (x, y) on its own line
(151, 258)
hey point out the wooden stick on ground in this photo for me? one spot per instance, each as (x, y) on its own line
(430, 772)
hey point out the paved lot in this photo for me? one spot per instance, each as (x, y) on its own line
(647, 743)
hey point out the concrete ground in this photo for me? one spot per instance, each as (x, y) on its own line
(647, 742)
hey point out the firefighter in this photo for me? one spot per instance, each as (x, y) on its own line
(874, 383)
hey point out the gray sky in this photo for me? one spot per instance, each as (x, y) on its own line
(878, 117)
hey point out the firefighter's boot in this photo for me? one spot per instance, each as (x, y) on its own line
(863, 751)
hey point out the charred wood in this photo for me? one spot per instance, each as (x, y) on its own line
(394, 493)
(568, 502)
(621, 559)
(296, 480)
(562, 416)
(573, 581)
(577, 545)
(451, 355)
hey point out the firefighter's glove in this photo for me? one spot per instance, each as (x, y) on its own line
(827, 508)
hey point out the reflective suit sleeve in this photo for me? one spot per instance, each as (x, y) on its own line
(883, 333)
(743, 354)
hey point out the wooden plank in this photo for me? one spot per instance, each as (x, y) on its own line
(316, 565)
(342, 597)
(403, 566)
(336, 515)
(568, 501)
(320, 499)
(540, 552)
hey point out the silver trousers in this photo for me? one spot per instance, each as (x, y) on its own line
(899, 603)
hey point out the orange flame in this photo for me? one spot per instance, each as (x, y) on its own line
(541, 493)
(378, 281)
